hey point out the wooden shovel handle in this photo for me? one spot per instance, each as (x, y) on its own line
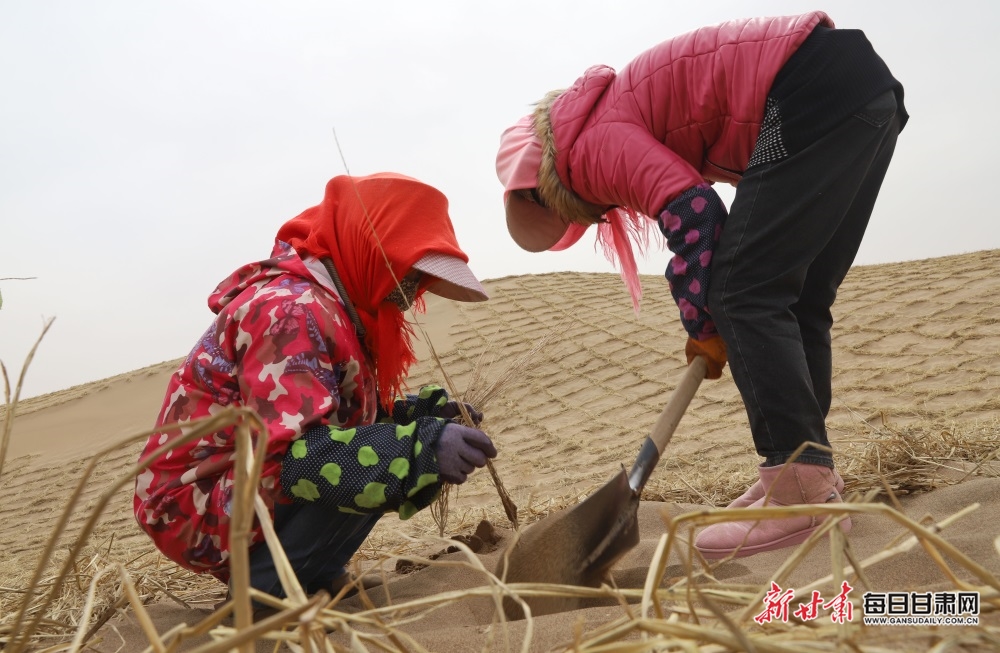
(666, 424)
(668, 420)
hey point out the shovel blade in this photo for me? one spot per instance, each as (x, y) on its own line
(575, 546)
(579, 546)
(610, 540)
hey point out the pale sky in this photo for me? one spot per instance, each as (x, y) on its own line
(147, 149)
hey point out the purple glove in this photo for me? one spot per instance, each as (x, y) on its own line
(460, 450)
(451, 411)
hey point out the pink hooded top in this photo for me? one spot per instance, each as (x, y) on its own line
(684, 111)
(622, 146)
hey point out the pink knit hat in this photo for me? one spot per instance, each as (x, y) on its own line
(536, 228)
(532, 226)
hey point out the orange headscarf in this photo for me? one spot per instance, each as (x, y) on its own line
(362, 222)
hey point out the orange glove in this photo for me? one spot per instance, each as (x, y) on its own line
(714, 352)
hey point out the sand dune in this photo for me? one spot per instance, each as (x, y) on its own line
(916, 354)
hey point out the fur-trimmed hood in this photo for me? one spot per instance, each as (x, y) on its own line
(556, 195)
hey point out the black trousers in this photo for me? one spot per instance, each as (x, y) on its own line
(793, 231)
(318, 541)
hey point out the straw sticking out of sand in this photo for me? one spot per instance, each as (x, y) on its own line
(916, 426)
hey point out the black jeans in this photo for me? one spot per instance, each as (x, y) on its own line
(793, 231)
(318, 541)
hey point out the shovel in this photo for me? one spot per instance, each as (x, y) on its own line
(580, 545)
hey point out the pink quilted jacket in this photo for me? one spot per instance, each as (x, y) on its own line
(686, 110)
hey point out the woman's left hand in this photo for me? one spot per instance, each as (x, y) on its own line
(451, 411)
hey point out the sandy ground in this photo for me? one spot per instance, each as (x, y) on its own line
(916, 345)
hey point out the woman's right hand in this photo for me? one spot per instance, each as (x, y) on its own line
(713, 350)
(460, 450)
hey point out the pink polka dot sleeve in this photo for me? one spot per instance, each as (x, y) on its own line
(692, 224)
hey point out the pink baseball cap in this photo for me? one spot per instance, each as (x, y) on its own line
(453, 278)
(533, 227)
(537, 228)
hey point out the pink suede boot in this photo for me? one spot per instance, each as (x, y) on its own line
(790, 485)
(757, 491)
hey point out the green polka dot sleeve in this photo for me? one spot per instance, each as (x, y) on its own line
(379, 467)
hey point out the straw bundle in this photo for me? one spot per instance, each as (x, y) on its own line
(694, 613)
(480, 393)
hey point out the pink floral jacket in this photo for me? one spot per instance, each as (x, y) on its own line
(310, 371)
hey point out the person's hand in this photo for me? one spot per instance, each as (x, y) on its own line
(712, 350)
(451, 411)
(460, 450)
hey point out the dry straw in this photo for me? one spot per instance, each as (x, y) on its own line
(11, 402)
(481, 390)
(694, 613)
